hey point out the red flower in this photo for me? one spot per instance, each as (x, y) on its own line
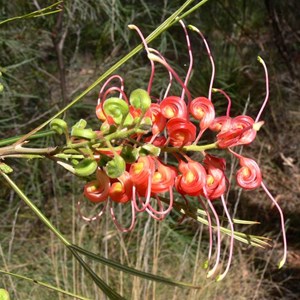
(203, 110)
(97, 190)
(163, 179)
(249, 175)
(173, 107)
(140, 172)
(218, 123)
(99, 113)
(121, 191)
(215, 161)
(181, 132)
(216, 180)
(158, 120)
(239, 131)
(192, 179)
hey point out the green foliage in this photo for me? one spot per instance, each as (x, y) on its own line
(96, 37)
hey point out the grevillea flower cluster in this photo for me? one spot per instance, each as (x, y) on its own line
(142, 154)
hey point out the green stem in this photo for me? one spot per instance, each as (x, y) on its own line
(191, 10)
(37, 13)
(35, 209)
(201, 147)
(69, 156)
(120, 134)
(11, 140)
(51, 287)
(109, 137)
(26, 156)
(194, 148)
(174, 18)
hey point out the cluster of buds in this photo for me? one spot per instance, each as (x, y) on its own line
(140, 155)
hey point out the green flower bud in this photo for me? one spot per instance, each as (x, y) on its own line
(115, 167)
(87, 134)
(140, 99)
(74, 162)
(86, 167)
(59, 126)
(116, 108)
(4, 294)
(5, 168)
(80, 124)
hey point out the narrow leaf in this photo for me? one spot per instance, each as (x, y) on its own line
(130, 270)
(43, 284)
(235, 221)
(98, 281)
(257, 241)
(34, 14)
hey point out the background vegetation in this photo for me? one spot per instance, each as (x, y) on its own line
(46, 62)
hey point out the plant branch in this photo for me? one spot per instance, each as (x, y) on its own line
(18, 149)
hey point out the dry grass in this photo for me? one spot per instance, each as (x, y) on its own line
(167, 249)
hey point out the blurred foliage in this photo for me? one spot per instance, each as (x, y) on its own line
(39, 77)
(97, 31)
